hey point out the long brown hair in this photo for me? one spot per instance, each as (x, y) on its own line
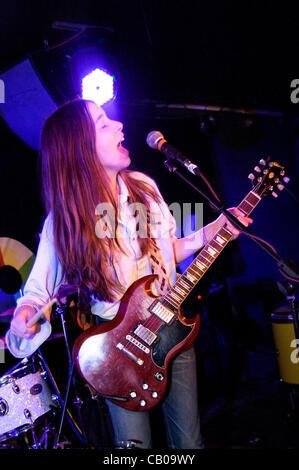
(74, 182)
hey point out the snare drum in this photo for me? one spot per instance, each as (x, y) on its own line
(285, 343)
(24, 397)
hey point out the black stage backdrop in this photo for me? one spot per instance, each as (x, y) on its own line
(229, 54)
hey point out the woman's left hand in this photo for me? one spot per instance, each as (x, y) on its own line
(222, 220)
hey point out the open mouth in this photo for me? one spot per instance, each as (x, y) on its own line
(120, 142)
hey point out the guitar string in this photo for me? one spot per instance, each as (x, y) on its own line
(207, 257)
(153, 322)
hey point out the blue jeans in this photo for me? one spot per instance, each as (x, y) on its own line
(180, 410)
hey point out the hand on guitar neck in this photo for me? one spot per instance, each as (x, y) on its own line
(222, 220)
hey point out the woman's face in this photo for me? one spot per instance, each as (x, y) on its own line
(114, 157)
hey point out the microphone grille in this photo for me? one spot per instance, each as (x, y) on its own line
(153, 139)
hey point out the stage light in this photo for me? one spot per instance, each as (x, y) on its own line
(92, 72)
(98, 86)
(81, 66)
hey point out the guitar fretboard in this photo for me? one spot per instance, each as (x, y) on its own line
(190, 277)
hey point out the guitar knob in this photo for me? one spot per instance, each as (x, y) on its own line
(145, 386)
(142, 402)
(154, 394)
(159, 376)
(133, 394)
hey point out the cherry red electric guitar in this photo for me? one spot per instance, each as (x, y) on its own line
(126, 359)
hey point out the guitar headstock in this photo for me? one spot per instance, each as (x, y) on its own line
(268, 176)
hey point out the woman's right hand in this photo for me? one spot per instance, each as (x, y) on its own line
(18, 325)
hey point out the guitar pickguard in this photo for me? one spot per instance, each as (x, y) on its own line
(169, 336)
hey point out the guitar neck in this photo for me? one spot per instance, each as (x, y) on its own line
(190, 277)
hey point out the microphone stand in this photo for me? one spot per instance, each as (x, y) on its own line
(284, 265)
(287, 267)
(61, 309)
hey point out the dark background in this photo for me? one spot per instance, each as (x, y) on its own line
(235, 54)
(238, 55)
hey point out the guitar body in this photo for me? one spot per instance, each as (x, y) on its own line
(126, 359)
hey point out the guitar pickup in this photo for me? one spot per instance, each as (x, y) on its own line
(162, 312)
(143, 333)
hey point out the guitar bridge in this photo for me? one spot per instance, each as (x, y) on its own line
(138, 344)
(136, 359)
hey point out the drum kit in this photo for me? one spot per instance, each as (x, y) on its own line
(30, 399)
(29, 402)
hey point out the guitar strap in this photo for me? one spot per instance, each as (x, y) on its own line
(156, 262)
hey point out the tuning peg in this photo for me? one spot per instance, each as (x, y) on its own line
(270, 164)
(251, 176)
(265, 171)
(286, 179)
(274, 194)
(280, 187)
(257, 169)
(262, 162)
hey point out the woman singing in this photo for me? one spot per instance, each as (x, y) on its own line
(91, 238)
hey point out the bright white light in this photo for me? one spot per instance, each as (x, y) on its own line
(98, 87)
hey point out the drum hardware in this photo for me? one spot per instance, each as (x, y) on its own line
(61, 309)
(57, 398)
(56, 444)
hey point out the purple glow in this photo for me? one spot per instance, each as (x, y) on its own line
(98, 86)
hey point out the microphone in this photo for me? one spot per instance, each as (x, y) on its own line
(156, 140)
